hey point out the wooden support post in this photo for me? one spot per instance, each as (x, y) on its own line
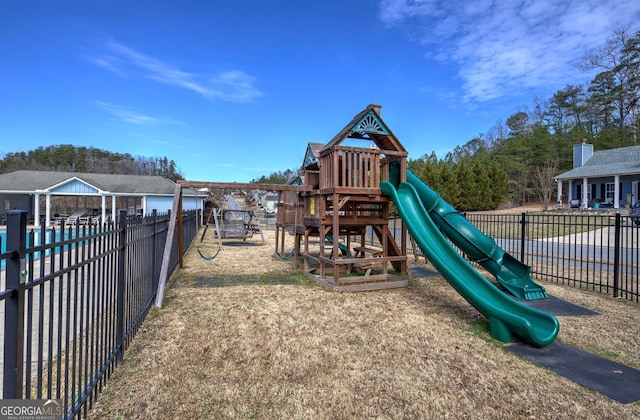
(166, 256)
(403, 248)
(306, 248)
(336, 232)
(296, 249)
(284, 231)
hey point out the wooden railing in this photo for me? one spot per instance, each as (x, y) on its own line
(351, 168)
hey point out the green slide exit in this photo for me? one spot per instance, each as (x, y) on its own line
(509, 319)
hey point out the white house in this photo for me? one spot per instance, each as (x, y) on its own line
(141, 194)
(607, 178)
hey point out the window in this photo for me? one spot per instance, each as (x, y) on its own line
(609, 192)
(591, 191)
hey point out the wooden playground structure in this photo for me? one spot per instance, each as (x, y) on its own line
(345, 201)
(336, 202)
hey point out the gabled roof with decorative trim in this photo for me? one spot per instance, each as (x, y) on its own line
(367, 125)
(620, 161)
(312, 154)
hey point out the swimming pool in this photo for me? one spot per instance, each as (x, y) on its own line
(48, 239)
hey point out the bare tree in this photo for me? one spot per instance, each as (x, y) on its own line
(543, 182)
(496, 135)
(619, 58)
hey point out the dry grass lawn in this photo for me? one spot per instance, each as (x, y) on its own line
(246, 336)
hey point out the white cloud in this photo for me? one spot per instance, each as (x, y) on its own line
(393, 11)
(501, 47)
(261, 170)
(133, 117)
(231, 86)
(235, 86)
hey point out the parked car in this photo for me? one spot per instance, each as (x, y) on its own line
(635, 213)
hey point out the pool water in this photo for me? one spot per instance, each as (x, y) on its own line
(37, 235)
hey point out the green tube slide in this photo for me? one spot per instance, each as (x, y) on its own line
(509, 319)
(513, 275)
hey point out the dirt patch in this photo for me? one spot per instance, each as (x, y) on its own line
(226, 344)
(252, 257)
(526, 208)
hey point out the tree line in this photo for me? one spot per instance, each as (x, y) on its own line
(278, 177)
(68, 158)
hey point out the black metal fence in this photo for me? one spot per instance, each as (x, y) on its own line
(598, 252)
(73, 298)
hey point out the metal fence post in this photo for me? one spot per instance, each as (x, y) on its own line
(616, 254)
(122, 243)
(14, 306)
(523, 235)
(154, 252)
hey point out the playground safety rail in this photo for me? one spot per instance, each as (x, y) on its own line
(72, 299)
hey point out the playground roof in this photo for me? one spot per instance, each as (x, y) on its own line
(368, 125)
(312, 154)
(620, 161)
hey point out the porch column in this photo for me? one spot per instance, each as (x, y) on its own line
(570, 194)
(616, 192)
(36, 210)
(559, 205)
(113, 208)
(47, 210)
(103, 216)
(585, 202)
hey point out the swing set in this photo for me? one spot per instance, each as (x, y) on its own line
(231, 224)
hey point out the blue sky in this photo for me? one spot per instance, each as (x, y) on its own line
(232, 90)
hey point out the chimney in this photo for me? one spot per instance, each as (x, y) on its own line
(582, 153)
